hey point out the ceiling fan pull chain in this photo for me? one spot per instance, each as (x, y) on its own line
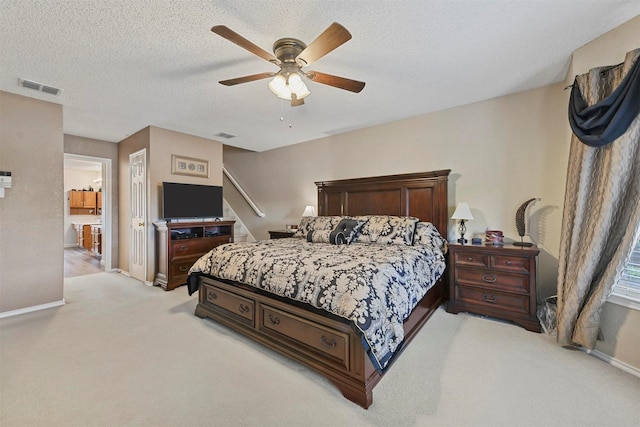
(281, 112)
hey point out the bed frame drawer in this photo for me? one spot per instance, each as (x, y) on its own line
(320, 342)
(230, 304)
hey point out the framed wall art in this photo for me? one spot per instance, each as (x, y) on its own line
(181, 165)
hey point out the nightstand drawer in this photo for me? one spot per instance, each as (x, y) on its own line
(510, 263)
(492, 279)
(489, 298)
(471, 259)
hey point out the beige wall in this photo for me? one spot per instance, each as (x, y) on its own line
(130, 145)
(501, 152)
(161, 144)
(31, 212)
(104, 150)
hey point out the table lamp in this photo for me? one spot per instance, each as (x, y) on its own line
(462, 213)
(309, 211)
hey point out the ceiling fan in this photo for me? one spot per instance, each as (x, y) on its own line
(291, 55)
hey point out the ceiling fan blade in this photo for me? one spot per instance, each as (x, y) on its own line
(233, 37)
(246, 79)
(335, 81)
(334, 36)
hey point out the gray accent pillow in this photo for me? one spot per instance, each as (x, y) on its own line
(346, 230)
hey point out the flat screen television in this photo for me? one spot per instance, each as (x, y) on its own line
(191, 201)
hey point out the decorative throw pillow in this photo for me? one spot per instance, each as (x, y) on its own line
(387, 229)
(319, 236)
(346, 230)
(428, 235)
(312, 223)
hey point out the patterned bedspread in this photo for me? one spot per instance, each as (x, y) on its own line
(373, 285)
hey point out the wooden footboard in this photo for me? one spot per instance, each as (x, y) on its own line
(328, 345)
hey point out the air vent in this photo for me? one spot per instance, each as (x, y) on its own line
(225, 135)
(39, 87)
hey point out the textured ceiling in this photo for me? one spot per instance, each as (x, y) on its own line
(127, 64)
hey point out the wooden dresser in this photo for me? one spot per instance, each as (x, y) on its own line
(180, 244)
(496, 281)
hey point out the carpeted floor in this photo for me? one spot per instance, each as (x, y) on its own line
(120, 353)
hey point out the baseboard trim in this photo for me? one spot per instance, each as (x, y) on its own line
(126, 273)
(614, 362)
(32, 308)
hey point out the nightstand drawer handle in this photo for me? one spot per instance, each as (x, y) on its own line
(183, 248)
(470, 259)
(243, 308)
(489, 278)
(489, 298)
(508, 262)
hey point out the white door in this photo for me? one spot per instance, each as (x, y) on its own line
(138, 176)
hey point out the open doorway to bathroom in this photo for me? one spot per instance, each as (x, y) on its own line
(86, 215)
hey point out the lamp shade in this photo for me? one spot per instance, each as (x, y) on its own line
(309, 211)
(462, 211)
(278, 84)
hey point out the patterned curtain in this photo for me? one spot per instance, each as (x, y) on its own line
(601, 217)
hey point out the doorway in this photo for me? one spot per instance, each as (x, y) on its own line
(87, 232)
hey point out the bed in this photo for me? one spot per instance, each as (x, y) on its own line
(344, 339)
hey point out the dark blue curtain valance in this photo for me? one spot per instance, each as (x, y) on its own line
(602, 123)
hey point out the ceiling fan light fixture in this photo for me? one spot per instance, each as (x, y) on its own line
(283, 86)
(278, 84)
(291, 55)
(297, 86)
(285, 93)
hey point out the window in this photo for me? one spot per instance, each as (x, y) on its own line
(627, 290)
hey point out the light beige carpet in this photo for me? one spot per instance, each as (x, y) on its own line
(120, 353)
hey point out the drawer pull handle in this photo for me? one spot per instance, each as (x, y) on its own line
(508, 262)
(489, 298)
(489, 278)
(212, 295)
(183, 248)
(330, 344)
(244, 308)
(470, 259)
(183, 268)
(274, 320)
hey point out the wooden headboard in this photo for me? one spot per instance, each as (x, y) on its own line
(422, 195)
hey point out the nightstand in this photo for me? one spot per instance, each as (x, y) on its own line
(281, 234)
(496, 281)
